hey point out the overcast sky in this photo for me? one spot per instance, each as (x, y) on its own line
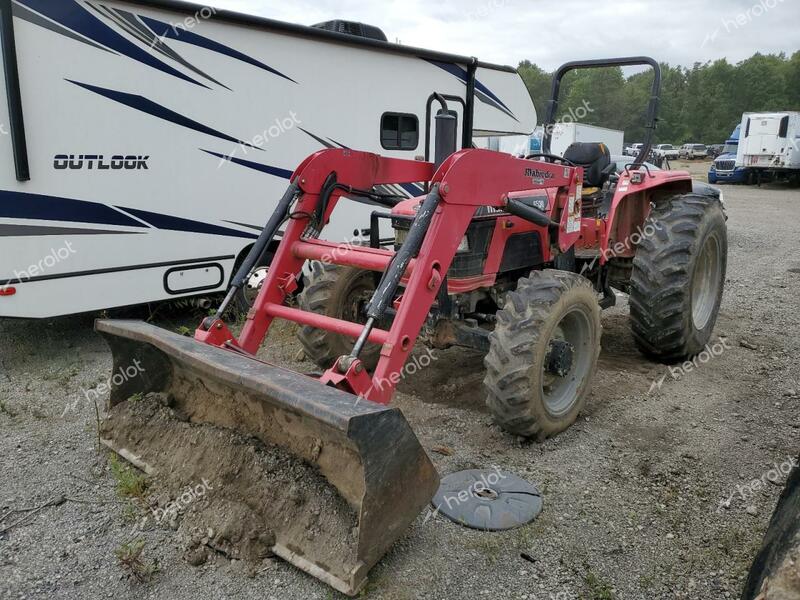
(550, 33)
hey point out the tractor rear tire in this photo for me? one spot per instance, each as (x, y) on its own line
(523, 393)
(678, 277)
(342, 293)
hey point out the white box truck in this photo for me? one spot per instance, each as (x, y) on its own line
(565, 134)
(769, 145)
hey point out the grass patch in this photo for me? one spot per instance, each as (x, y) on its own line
(130, 483)
(4, 409)
(598, 589)
(488, 544)
(129, 558)
(183, 330)
(131, 513)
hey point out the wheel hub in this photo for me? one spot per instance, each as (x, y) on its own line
(257, 277)
(567, 362)
(559, 358)
(254, 284)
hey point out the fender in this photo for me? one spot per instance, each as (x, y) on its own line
(637, 187)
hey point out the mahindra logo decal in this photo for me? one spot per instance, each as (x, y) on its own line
(538, 173)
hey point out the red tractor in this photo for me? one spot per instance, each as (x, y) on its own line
(514, 257)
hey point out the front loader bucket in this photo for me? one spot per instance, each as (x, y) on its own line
(367, 452)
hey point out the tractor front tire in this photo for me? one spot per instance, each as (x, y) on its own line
(342, 293)
(543, 354)
(678, 277)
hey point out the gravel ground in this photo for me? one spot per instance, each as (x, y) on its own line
(650, 495)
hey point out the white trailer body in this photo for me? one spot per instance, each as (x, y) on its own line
(515, 145)
(565, 134)
(149, 141)
(770, 142)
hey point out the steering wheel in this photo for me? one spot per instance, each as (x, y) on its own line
(553, 158)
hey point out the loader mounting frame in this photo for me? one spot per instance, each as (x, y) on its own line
(457, 189)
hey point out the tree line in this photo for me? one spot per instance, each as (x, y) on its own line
(699, 104)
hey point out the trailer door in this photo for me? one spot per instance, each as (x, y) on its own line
(762, 140)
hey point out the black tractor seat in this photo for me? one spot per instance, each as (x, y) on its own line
(595, 160)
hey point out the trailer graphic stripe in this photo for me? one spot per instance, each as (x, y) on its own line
(171, 263)
(328, 144)
(483, 93)
(23, 13)
(165, 30)
(37, 230)
(173, 223)
(73, 16)
(131, 23)
(146, 105)
(277, 171)
(20, 205)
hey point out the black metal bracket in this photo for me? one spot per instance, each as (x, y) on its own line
(14, 97)
(469, 112)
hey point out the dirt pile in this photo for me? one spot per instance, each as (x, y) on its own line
(232, 494)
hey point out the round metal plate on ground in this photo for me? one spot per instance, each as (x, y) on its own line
(487, 499)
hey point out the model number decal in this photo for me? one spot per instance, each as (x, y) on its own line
(118, 162)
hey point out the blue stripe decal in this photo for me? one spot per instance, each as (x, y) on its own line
(483, 93)
(176, 32)
(73, 16)
(277, 171)
(19, 205)
(162, 112)
(171, 223)
(412, 189)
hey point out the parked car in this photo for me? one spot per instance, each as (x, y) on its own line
(692, 151)
(715, 150)
(667, 151)
(633, 149)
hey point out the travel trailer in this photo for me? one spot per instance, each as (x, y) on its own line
(148, 141)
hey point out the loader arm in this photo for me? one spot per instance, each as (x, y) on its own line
(465, 181)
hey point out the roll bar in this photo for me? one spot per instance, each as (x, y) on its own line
(652, 108)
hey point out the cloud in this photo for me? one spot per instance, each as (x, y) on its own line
(507, 31)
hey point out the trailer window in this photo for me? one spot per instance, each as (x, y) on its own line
(399, 131)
